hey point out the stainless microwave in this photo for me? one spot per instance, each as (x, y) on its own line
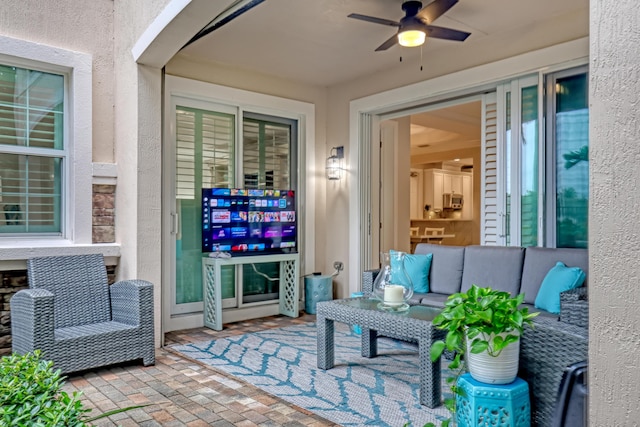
(452, 201)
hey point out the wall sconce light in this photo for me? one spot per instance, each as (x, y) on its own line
(334, 166)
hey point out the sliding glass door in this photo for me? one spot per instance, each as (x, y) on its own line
(217, 145)
(544, 163)
(568, 158)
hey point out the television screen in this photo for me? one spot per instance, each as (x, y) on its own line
(243, 221)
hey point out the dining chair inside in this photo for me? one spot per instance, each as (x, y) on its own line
(433, 234)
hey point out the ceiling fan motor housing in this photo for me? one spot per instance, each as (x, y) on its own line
(411, 7)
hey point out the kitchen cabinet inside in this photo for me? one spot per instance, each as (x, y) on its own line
(433, 186)
(451, 183)
(438, 182)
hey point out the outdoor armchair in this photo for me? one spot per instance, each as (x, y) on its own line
(77, 320)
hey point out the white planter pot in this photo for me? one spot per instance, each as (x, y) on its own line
(502, 369)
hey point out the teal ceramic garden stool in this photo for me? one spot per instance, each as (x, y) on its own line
(499, 405)
(316, 289)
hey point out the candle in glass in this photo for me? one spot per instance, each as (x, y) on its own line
(393, 294)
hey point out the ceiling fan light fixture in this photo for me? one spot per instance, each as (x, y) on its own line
(411, 38)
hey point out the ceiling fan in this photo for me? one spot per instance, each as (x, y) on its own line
(416, 24)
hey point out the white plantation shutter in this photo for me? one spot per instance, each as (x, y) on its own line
(32, 151)
(266, 154)
(185, 154)
(490, 221)
(204, 151)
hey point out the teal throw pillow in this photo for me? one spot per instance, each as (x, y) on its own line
(559, 279)
(417, 267)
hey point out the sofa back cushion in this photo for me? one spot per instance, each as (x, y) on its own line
(498, 267)
(538, 262)
(445, 275)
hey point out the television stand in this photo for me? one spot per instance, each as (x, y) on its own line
(288, 290)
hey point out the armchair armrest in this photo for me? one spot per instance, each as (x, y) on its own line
(132, 302)
(368, 276)
(574, 307)
(32, 321)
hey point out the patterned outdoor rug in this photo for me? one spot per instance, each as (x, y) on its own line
(382, 391)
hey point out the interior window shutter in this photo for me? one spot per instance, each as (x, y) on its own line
(31, 150)
(266, 154)
(203, 138)
(490, 223)
(185, 153)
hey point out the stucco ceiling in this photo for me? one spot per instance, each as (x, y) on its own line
(313, 41)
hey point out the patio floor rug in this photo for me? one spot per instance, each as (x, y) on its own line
(381, 391)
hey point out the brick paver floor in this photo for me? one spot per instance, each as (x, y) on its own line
(181, 392)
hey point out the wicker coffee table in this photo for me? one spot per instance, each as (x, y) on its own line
(414, 324)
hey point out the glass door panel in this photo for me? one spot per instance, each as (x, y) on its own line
(268, 149)
(204, 159)
(529, 167)
(519, 151)
(570, 94)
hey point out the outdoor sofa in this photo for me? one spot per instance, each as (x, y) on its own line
(555, 342)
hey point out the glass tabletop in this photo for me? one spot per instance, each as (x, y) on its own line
(419, 312)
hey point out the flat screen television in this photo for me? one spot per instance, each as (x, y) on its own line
(248, 222)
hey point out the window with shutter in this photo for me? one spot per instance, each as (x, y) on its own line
(266, 153)
(32, 151)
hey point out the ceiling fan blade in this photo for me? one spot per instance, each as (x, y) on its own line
(435, 9)
(446, 33)
(390, 42)
(374, 19)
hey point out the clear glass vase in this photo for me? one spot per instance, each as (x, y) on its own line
(393, 287)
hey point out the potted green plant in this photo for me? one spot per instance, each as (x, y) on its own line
(485, 324)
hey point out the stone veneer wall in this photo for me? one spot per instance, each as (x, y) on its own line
(103, 232)
(104, 211)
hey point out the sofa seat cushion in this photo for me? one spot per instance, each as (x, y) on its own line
(433, 299)
(559, 279)
(105, 329)
(497, 267)
(445, 275)
(541, 313)
(417, 297)
(538, 262)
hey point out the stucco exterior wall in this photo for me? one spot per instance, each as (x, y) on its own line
(138, 143)
(84, 29)
(614, 222)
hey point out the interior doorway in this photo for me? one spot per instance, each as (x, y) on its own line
(442, 141)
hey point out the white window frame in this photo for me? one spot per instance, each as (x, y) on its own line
(76, 226)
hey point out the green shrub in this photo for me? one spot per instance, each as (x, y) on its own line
(31, 395)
